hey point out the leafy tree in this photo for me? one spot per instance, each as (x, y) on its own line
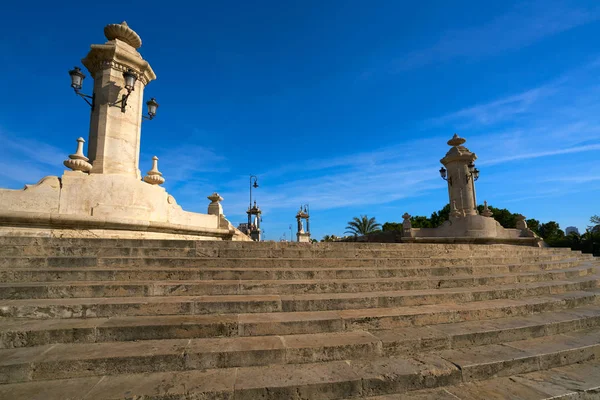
(551, 230)
(392, 227)
(362, 226)
(534, 225)
(330, 238)
(420, 221)
(441, 216)
(595, 221)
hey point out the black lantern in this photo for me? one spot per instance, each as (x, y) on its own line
(443, 173)
(471, 167)
(130, 77)
(475, 174)
(152, 106)
(77, 78)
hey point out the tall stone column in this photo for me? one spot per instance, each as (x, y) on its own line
(114, 139)
(461, 186)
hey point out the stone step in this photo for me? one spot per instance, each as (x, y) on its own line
(20, 332)
(291, 252)
(136, 288)
(370, 302)
(138, 243)
(62, 361)
(323, 380)
(579, 381)
(17, 333)
(79, 262)
(44, 274)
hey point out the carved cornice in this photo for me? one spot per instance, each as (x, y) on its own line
(119, 56)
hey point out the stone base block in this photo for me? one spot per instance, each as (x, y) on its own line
(111, 206)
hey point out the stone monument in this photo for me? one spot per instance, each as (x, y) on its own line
(302, 235)
(103, 194)
(465, 223)
(254, 220)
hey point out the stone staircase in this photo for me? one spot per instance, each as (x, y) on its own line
(132, 319)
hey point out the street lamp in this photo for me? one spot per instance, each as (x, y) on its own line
(252, 185)
(307, 212)
(443, 174)
(473, 172)
(291, 234)
(129, 78)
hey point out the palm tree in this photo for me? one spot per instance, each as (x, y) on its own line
(362, 226)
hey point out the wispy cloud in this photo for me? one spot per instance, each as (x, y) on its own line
(26, 161)
(521, 26)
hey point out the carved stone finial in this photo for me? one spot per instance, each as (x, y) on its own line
(215, 207)
(77, 161)
(124, 33)
(456, 141)
(215, 198)
(486, 211)
(154, 176)
(406, 216)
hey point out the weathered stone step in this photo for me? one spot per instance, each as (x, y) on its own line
(291, 348)
(290, 252)
(16, 333)
(135, 288)
(183, 262)
(330, 380)
(63, 361)
(579, 381)
(74, 242)
(199, 305)
(44, 274)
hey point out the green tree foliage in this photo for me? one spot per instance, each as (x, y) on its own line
(551, 230)
(420, 221)
(330, 238)
(362, 226)
(534, 225)
(392, 227)
(595, 221)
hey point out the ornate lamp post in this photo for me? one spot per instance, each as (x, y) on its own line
(252, 185)
(460, 173)
(129, 79)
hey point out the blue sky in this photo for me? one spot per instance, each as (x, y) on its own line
(345, 105)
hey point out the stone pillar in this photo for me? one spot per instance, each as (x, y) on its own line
(461, 188)
(114, 139)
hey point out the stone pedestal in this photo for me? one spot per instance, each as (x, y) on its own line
(303, 237)
(465, 225)
(103, 195)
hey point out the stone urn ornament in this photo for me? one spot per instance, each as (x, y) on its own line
(154, 176)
